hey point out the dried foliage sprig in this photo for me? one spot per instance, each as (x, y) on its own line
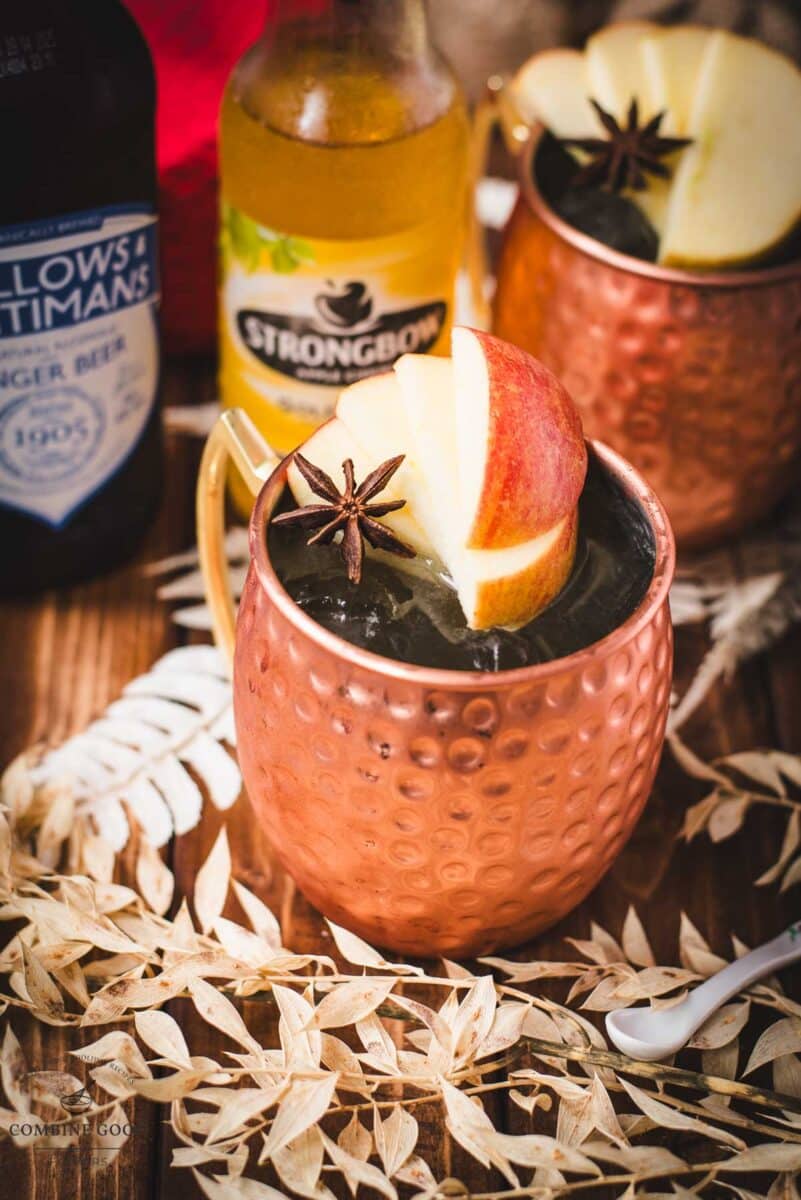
(739, 783)
(336, 1093)
(751, 596)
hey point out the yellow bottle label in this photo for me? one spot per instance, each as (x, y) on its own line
(304, 317)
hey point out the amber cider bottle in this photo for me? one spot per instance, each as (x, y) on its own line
(80, 439)
(343, 188)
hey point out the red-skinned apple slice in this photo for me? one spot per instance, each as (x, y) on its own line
(522, 457)
(417, 411)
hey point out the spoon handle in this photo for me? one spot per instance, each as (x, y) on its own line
(740, 974)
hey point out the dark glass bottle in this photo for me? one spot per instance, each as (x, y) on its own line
(80, 434)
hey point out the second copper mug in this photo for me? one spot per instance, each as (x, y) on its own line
(433, 811)
(694, 377)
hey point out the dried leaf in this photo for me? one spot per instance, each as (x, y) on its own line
(670, 1118)
(115, 1046)
(161, 1033)
(694, 951)
(227, 1187)
(358, 952)
(395, 1138)
(260, 917)
(727, 818)
(758, 767)
(766, 1157)
(791, 842)
(211, 882)
(355, 1139)
(14, 1072)
(163, 1090)
(783, 1188)
(722, 1027)
(350, 1002)
(241, 943)
(506, 1029)
(783, 1037)
(636, 946)
(154, 878)
(788, 764)
(299, 1163)
(356, 1172)
(792, 875)
(44, 995)
(109, 1139)
(473, 1020)
(302, 1046)
(417, 1173)
(303, 1105)
(240, 1107)
(218, 1011)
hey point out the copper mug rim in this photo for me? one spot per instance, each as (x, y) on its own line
(592, 248)
(436, 678)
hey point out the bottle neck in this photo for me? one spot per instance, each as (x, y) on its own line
(345, 71)
(388, 31)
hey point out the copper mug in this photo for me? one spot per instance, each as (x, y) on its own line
(695, 378)
(433, 811)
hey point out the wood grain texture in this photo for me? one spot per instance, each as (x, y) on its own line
(67, 655)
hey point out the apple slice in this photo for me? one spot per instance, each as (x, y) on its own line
(737, 191)
(509, 587)
(615, 69)
(329, 446)
(521, 452)
(552, 87)
(672, 60)
(491, 404)
(374, 413)
(499, 444)
(427, 397)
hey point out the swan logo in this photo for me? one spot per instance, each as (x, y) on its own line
(346, 306)
(345, 339)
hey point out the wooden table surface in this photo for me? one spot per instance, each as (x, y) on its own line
(66, 655)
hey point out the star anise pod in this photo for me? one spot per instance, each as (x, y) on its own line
(630, 152)
(348, 512)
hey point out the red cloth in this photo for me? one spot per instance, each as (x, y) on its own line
(194, 44)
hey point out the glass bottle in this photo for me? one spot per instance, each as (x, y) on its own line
(343, 189)
(80, 435)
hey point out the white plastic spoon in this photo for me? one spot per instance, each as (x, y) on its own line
(651, 1034)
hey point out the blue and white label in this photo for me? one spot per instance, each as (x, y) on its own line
(79, 356)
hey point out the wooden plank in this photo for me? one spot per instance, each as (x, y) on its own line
(66, 656)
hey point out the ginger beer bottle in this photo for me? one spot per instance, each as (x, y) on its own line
(343, 166)
(80, 428)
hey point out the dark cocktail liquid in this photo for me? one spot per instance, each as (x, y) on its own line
(419, 620)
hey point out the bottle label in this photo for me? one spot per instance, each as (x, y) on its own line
(304, 317)
(78, 354)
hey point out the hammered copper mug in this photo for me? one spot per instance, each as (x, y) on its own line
(433, 811)
(694, 377)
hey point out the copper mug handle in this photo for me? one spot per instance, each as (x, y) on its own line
(496, 108)
(235, 439)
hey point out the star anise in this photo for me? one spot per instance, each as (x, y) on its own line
(348, 512)
(628, 154)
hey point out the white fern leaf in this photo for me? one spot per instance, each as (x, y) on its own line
(189, 584)
(150, 809)
(152, 749)
(192, 420)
